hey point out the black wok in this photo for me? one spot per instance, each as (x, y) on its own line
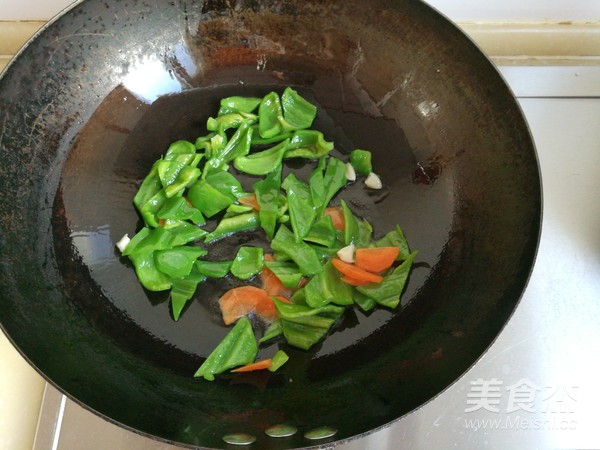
(97, 96)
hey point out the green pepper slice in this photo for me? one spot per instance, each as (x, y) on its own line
(234, 224)
(261, 163)
(301, 209)
(299, 252)
(361, 161)
(247, 262)
(308, 144)
(267, 195)
(177, 262)
(238, 104)
(213, 269)
(237, 348)
(269, 112)
(387, 293)
(182, 290)
(297, 111)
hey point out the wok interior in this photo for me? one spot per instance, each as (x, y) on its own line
(100, 94)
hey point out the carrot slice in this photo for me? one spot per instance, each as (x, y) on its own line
(337, 217)
(376, 259)
(271, 283)
(354, 282)
(243, 300)
(258, 365)
(356, 273)
(249, 200)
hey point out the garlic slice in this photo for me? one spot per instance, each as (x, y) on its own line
(346, 254)
(123, 243)
(373, 181)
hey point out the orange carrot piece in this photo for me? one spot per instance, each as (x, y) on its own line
(337, 217)
(376, 259)
(354, 282)
(356, 273)
(258, 365)
(249, 200)
(271, 283)
(243, 300)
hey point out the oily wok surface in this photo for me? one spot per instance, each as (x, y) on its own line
(99, 94)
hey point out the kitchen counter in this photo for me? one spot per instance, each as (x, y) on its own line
(536, 387)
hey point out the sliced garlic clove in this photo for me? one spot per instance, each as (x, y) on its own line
(350, 172)
(346, 254)
(373, 181)
(123, 243)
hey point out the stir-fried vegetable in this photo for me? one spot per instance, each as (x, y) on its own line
(324, 258)
(238, 348)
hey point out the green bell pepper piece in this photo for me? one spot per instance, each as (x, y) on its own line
(261, 163)
(148, 240)
(215, 193)
(322, 232)
(351, 227)
(182, 290)
(213, 269)
(239, 145)
(247, 262)
(237, 104)
(135, 240)
(288, 273)
(304, 326)
(333, 180)
(226, 184)
(361, 161)
(279, 359)
(365, 303)
(151, 207)
(297, 111)
(308, 144)
(177, 262)
(267, 193)
(234, 224)
(257, 140)
(387, 293)
(301, 209)
(237, 348)
(235, 209)
(149, 187)
(176, 176)
(212, 144)
(327, 287)
(147, 272)
(177, 208)
(316, 182)
(183, 232)
(269, 110)
(179, 148)
(274, 330)
(395, 238)
(299, 252)
(365, 233)
(208, 199)
(226, 121)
